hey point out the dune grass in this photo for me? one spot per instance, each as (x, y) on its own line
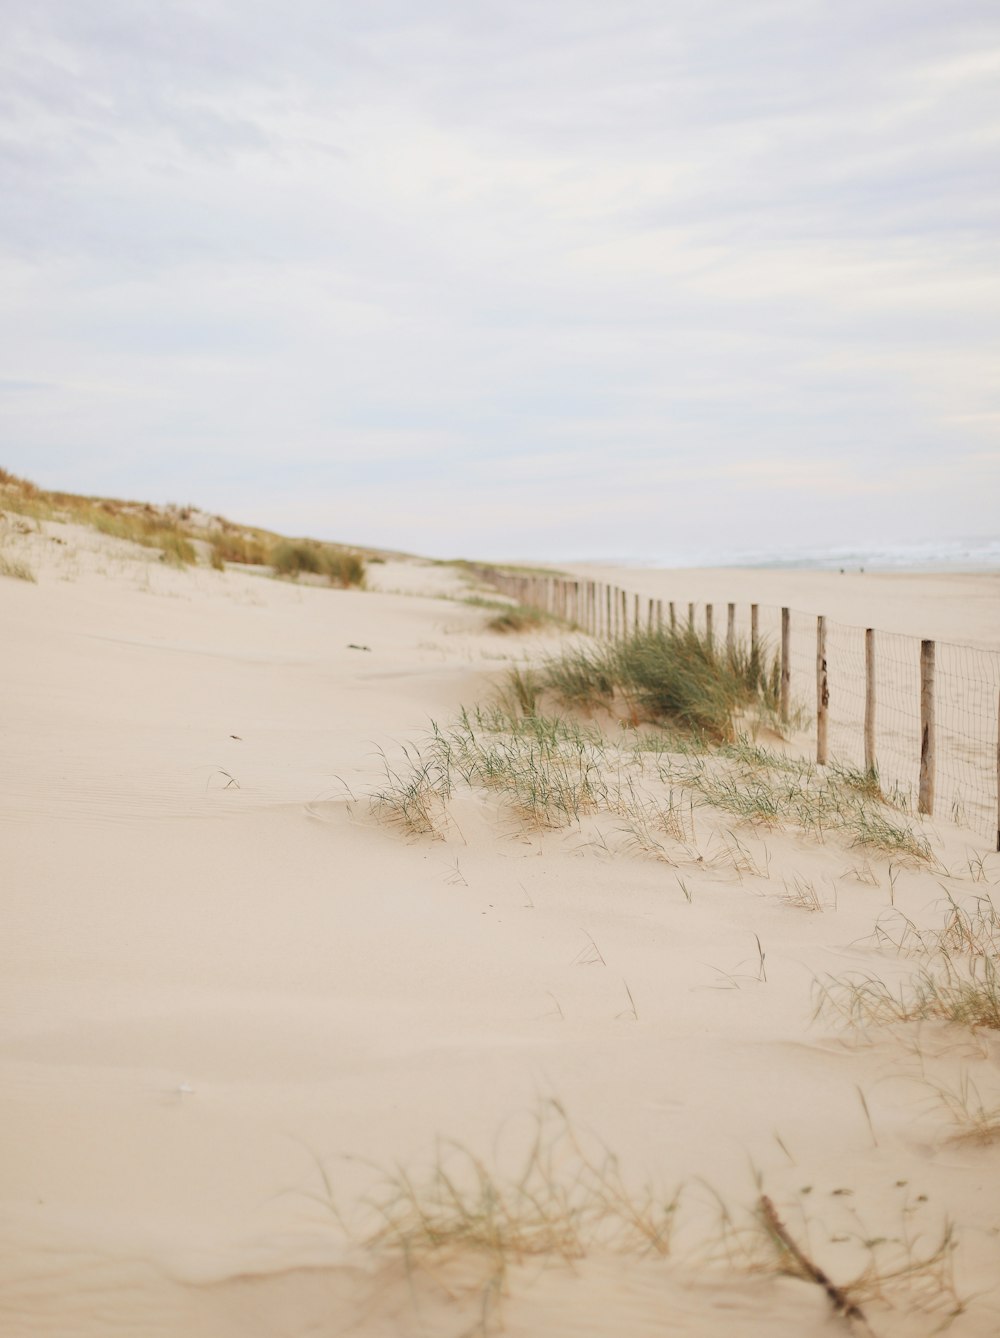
(561, 1200)
(972, 1120)
(947, 989)
(238, 546)
(16, 568)
(293, 557)
(549, 772)
(566, 1197)
(666, 674)
(511, 617)
(958, 979)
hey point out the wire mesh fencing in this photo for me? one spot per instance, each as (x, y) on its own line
(925, 715)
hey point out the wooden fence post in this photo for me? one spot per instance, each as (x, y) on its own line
(786, 663)
(673, 617)
(709, 620)
(822, 693)
(998, 775)
(690, 617)
(731, 630)
(659, 616)
(624, 613)
(925, 797)
(607, 611)
(871, 765)
(754, 638)
(635, 616)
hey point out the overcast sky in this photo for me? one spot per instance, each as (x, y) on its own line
(533, 277)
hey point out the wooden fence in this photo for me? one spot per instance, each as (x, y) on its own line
(923, 715)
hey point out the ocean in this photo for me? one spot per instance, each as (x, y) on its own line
(979, 555)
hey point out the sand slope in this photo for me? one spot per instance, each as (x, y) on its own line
(223, 979)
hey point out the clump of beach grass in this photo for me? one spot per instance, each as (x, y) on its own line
(972, 1120)
(414, 800)
(519, 618)
(293, 557)
(236, 546)
(767, 789)
(562, 1200)
(958, 980)
(13, 566)
(968, 932)
(949, 989)
(510, 617)
(176, 549)
(16, 568)
(666, 674)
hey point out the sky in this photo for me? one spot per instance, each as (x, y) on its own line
(550, 279)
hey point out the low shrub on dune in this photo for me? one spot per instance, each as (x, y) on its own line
(292, 557)
(345, 569)
(232, 546)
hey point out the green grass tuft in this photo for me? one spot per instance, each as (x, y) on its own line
(667, 674)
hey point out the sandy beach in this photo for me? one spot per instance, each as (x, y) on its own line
(236, 1001)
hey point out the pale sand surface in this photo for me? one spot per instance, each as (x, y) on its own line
(211, 991)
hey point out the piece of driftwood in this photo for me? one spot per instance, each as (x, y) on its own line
(839, 1299)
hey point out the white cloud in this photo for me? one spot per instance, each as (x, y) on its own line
(430, 262)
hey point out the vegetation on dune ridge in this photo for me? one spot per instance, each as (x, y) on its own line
(183, 533)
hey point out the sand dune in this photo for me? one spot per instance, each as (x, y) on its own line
(228, 986)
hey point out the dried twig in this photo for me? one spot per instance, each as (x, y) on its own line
(841, 1302)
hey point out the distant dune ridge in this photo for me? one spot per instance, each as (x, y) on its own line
(186, 535)
(371, 968)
